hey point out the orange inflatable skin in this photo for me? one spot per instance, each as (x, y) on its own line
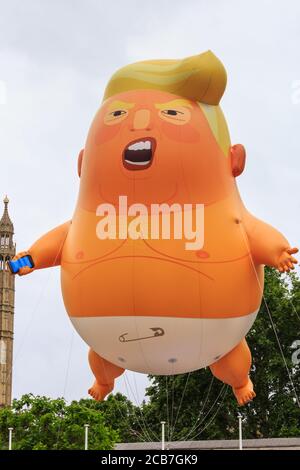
(160, 278)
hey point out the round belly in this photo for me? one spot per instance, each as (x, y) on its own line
(150, 286)
(161, 345)
(129, 286)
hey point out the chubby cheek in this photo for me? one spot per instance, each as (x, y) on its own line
(185, 133)
(105, 133)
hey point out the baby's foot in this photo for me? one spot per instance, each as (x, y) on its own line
(99, 391)
(244, 394)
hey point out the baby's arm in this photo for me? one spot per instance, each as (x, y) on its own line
(46, 251)
(267, 245)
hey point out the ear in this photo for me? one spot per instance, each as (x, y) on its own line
(79, 162)
(238, 159)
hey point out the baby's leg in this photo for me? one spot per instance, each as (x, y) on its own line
(105, 373)
(233, 369)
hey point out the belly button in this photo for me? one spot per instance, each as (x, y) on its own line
(202, 254)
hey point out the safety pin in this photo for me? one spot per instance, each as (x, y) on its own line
(157, 332)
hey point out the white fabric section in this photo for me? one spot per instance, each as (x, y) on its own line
(181, 344)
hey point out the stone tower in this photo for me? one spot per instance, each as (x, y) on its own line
(7, 301)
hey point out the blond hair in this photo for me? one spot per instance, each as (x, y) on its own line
(201, 78)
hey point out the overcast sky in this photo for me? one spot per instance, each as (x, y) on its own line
(55, 59)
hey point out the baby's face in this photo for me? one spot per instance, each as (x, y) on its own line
(153, 147)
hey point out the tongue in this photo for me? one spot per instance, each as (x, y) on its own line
(136, 156)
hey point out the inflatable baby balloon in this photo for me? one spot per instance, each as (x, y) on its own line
(162, 266)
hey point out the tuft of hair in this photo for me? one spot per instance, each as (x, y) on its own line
(217, 123)
(200, 78)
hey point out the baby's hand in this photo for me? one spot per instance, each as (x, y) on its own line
(24, 269)
(286, 260)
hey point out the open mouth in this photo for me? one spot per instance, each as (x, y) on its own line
(138, 155)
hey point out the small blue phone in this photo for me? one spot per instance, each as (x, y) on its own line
(15, 265)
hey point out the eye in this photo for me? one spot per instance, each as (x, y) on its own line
(176, 116)
(117, 112)
(171, 112)
(115, 117)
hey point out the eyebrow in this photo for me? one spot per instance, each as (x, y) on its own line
(120, 105)
(174, 103)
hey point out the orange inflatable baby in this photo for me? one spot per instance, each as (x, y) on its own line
(162, 265)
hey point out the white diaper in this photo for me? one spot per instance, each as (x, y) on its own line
(162, 345)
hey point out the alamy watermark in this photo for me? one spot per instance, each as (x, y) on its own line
(155, 222)
(296, 353)
(295, 92)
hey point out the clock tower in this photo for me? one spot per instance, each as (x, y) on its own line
(7, 302)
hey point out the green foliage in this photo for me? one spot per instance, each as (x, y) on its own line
(120, 414)
(40, 423)
(207, 412)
